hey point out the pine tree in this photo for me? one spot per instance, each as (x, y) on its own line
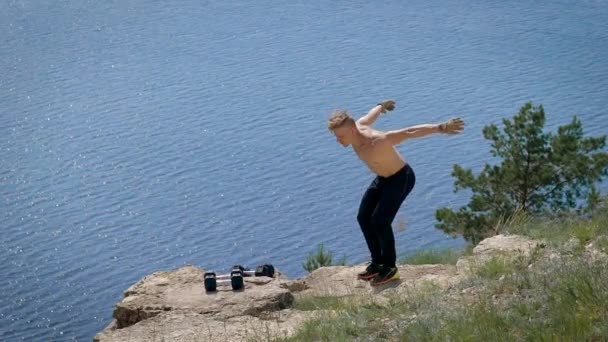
(540, 172)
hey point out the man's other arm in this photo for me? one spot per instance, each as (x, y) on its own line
(371, 116)
(452, 126)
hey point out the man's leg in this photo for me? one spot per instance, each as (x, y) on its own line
(364, 217)
(394, 191)
(382, 221)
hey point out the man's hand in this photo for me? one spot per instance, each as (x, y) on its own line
(452, 126)
(387, 105)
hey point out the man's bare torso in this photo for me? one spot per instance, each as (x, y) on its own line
(378, 153)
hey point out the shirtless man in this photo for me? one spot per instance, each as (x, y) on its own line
(394, 180)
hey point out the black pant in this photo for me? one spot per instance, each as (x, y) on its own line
(377, 211)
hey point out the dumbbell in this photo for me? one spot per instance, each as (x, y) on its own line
(266, 270)
(235, 278)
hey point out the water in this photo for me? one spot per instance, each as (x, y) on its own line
(138, 136)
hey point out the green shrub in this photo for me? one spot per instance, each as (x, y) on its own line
(538, 172)
(319, 258)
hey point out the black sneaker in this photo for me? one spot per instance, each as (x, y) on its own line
(386, 275)
(371, 271)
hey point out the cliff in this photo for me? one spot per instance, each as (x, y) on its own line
(173, 305)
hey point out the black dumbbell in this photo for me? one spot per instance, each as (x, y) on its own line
(266, 270)
(211, 280)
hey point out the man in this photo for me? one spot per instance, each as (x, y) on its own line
(394, 180)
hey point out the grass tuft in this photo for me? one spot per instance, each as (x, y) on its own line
(321, 257)
(434, 256)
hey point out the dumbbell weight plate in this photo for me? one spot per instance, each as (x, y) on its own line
(210, 282)
(236, 280)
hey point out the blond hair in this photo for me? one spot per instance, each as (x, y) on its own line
(338, 119)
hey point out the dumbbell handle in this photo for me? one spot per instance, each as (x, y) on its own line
(222, 281)
(247, 273)
(223, 276)
(244, 273)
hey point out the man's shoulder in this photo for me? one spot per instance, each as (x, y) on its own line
(370, 132)
(378, 135)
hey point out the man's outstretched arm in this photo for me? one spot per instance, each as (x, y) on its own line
(452, 126)
(371, 116)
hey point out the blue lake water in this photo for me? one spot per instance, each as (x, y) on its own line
(138, 136)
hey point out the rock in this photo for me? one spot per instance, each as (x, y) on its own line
(342, 280)
(191, 326)
(295, 285)
(505, 243)
(180, 293)
(572, 246)
(594, 251)
(493, 246)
